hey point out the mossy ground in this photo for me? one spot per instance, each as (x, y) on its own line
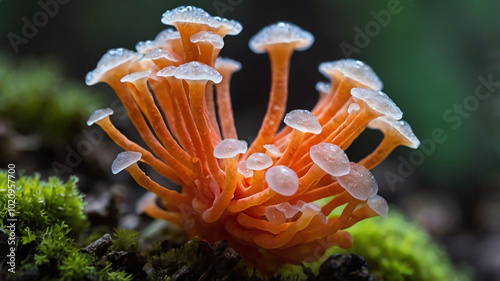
(53, 236)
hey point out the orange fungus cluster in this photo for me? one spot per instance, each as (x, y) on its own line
(260, 197)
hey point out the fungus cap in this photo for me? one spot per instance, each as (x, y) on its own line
(210, 37)
(110, 60)
(355, 70)
(191, 14)
(323, 87)
(303, 120)
(242, 169)
(197, 71)
(159, 41)
(288, 209)
(402, 127)
(227, 63)
(259, 161)
(282, 180)
(98, 115)
(160, 53)
(273, 150)
(135, 76)
(330, 158)
(229, 148)
(125, 160)
(378, 101)
(274, 215)
(378, 204)
(281, 32)
(359, 182)
(167, 71)
(144, 201)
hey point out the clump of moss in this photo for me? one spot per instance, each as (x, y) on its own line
(41, 204)
(35, 91)
(397, 249)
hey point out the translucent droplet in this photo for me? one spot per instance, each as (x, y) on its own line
(282, 180)
(303, 120)
(353, 107)
(360, 183)
(99, 115)
(330, 158)
(229, 148)
(125, 160)
(259, 161)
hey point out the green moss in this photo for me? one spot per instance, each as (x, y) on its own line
(36, 91)
(125, 240)
(397, 249)
(41, 204)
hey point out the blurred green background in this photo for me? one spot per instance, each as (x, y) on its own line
(429, 54)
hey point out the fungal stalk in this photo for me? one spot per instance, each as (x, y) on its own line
(260, 197)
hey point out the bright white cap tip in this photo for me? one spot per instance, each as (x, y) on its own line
(160, 53)
(226, 63)
(386, 124)
(282, 180)
(125, 160)
(231, 27)
(144, 201)
(355, 70)
(360, 183)
(353, 107)
(135, 76)
(197, 71)
(378, 204)
(259, 161)
(288, 209)
(209, 37)
(98, 115)
(323, 87)
(110, 60)
(330, 158)
(242, 168)
(281, 32)
(160, 41)
(229, 148)
(273, 150)
(303, 120)
(186, 14)
(167, 71)
(378, 101)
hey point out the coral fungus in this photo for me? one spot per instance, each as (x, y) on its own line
(261, 197)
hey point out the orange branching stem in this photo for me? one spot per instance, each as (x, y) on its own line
(261, 199)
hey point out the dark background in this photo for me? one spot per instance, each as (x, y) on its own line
(429, 55)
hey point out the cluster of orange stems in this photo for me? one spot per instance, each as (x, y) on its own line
(261, 198)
